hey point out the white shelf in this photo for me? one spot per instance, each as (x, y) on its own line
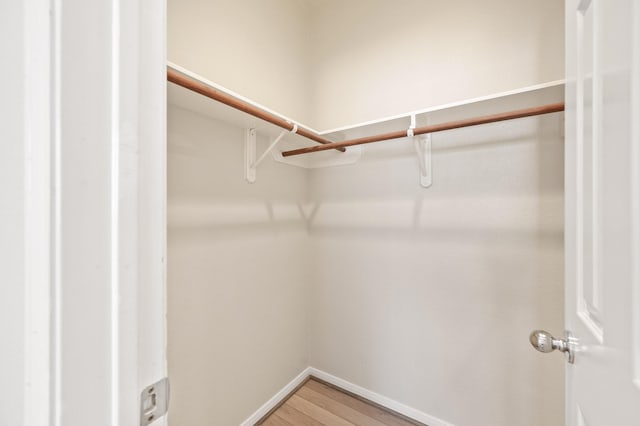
(516, 99)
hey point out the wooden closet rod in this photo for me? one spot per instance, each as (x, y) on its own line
(545, 109)
(199, 87)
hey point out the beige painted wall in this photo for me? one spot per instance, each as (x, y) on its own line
(256, 48)
(321, 62)
(428, 296)
(424, 296)
(237, 274)
(376, 58)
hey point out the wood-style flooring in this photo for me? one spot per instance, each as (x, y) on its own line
(317, 403)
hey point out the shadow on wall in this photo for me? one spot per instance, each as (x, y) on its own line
(473, 194)
(413, 293)
(418, 292)
(445, 218)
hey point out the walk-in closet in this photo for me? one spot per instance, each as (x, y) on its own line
(406, 264)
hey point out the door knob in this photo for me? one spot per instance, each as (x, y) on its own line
(544, 342)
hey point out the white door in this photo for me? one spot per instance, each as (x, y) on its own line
(603, 211)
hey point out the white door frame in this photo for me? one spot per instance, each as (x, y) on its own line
(24, 297)
(635, 186)
(94, 93)
(38, 259)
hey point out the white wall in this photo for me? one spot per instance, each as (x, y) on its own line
(375, 58)
(256, 48)
(428, 296)
(12, 161)
(238, 280)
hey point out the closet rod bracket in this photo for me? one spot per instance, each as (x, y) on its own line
(422, 145)
(412, 126)
(250, 162)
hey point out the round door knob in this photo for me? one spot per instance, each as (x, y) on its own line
(544, 342)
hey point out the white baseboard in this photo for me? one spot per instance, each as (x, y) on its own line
(389, 403)
(348, 386)
(277, 398)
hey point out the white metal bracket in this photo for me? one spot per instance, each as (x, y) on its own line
(249, 155)
(250, 162)
(423, 151)
(412, 126)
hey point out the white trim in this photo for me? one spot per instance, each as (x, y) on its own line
(635, 193)
(143, 289)
(37, 211)
(56, 213)
(277, 398)
(389, 403)
(115, 213)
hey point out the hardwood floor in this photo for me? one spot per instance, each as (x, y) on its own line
(316, 403)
